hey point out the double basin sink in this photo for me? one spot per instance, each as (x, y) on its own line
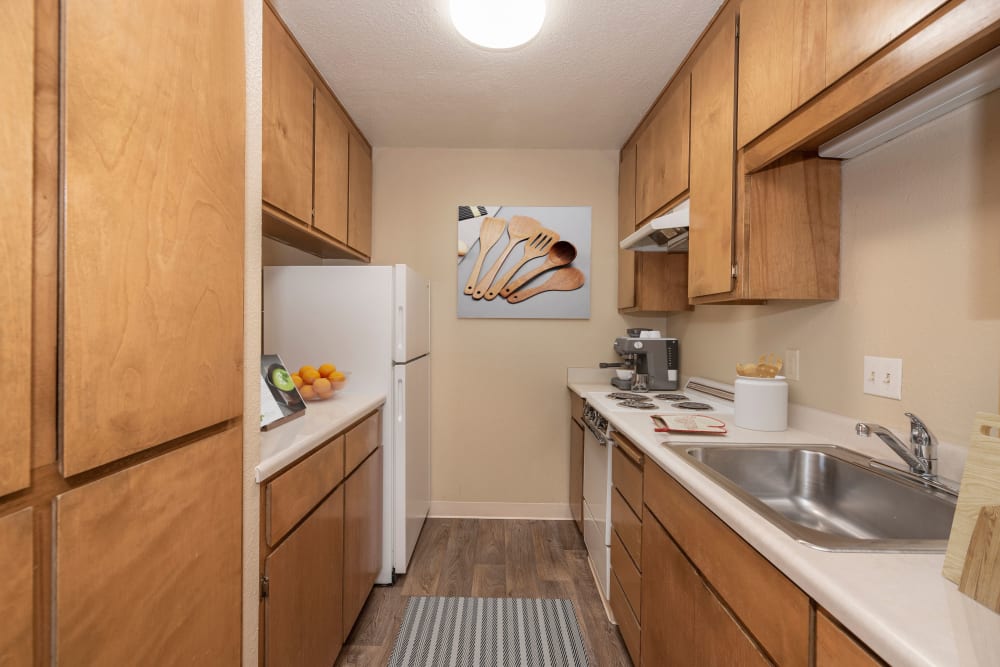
(831, 498)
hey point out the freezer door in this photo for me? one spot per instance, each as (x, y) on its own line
(412, 315)
(412, 449)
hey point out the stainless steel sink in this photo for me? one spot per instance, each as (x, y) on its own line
(831, 498)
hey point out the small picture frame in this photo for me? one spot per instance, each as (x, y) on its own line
(280, 401)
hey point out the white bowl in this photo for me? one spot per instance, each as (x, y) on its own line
(624, 373)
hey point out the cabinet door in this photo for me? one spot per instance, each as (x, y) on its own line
(287, 122)
(669, 592)
(17, 72)
(330, 189)
(836, 648)
(576, 473)
(782, 60)
(362, 535)
(626, 225)
(359, 220)
(148, 561)
(662, 151)
(153, 178)
(856, 29)
(303, 612)
(721, 640)
(17, 588)
(713, 116)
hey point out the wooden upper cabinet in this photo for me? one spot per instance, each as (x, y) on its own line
(148, 560)
(17, 72)
(17, 588)
(359, 220)
(626, 225)
(857, 29)
(287, 123)
(663, 150)
(782, 60)
(713, 155)
(303, 611)
(153, 183)
(330, 173)
(362, 535)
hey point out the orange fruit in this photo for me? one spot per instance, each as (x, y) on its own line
(321, 386)
(326, 369)
(310, 375)
(337, 376)
(297, 380)
(307, 392)
(302, 371)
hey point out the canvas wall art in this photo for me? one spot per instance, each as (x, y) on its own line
(524, 261)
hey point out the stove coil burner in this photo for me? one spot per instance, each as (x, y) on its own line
(627, 396)
(692, 405)
(671, 397)
(638, 405)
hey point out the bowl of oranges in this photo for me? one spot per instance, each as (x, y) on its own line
(319, 384)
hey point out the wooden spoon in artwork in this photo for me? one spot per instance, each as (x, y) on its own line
(521, 227)
(560, 254)
(565, 279)
(490, 231)
(537, 246)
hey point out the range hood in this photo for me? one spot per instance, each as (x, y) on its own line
(667, 233)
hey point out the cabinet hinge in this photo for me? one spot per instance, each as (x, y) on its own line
(734, 271)
(265, 586)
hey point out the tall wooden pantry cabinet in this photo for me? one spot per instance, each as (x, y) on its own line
(121, 254)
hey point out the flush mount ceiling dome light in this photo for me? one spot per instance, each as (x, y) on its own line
(498, 24)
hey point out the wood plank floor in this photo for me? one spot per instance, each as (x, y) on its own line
(489, 558)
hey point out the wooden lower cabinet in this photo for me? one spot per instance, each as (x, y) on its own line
(303, 611)
(148, 561)
(576, 472)
(362, 535)
(17, 588)
(835, 647)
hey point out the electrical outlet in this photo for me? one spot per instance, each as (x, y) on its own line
(883, 376)
(791, 364)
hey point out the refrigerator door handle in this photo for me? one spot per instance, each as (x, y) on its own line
(399, 401)
(401, 333)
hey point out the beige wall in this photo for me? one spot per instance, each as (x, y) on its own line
(920, 280)
(500, 415)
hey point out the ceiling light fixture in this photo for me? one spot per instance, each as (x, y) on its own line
(498, 24)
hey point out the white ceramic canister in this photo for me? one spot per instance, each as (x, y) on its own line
(761, 403)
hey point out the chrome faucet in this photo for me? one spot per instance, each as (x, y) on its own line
(923, 457)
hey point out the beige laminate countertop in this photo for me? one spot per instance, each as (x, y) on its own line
(322, 420)
(898, 604)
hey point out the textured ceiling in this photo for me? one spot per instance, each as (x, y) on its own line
(408, 78)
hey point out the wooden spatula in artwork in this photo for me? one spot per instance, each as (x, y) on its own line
(490, 231)
(565, 279)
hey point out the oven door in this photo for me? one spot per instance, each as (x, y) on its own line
(597, 505)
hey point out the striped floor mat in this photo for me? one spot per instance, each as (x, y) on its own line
(464, 632)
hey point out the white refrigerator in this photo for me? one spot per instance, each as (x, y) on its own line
(374, 323)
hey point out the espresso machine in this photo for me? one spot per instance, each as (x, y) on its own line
(655, 360)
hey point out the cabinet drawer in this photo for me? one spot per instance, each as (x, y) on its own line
(628, 526)
(627, 573)
(362, 440)
(627, 623)
(299, 489)
(626, 472)
(767, 603)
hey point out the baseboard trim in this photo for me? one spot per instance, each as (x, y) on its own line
(448, 509)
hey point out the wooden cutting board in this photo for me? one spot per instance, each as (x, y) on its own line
(981, 576)
(980, 487)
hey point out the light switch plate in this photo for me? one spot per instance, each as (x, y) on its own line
(883, 376)
(791, 370)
